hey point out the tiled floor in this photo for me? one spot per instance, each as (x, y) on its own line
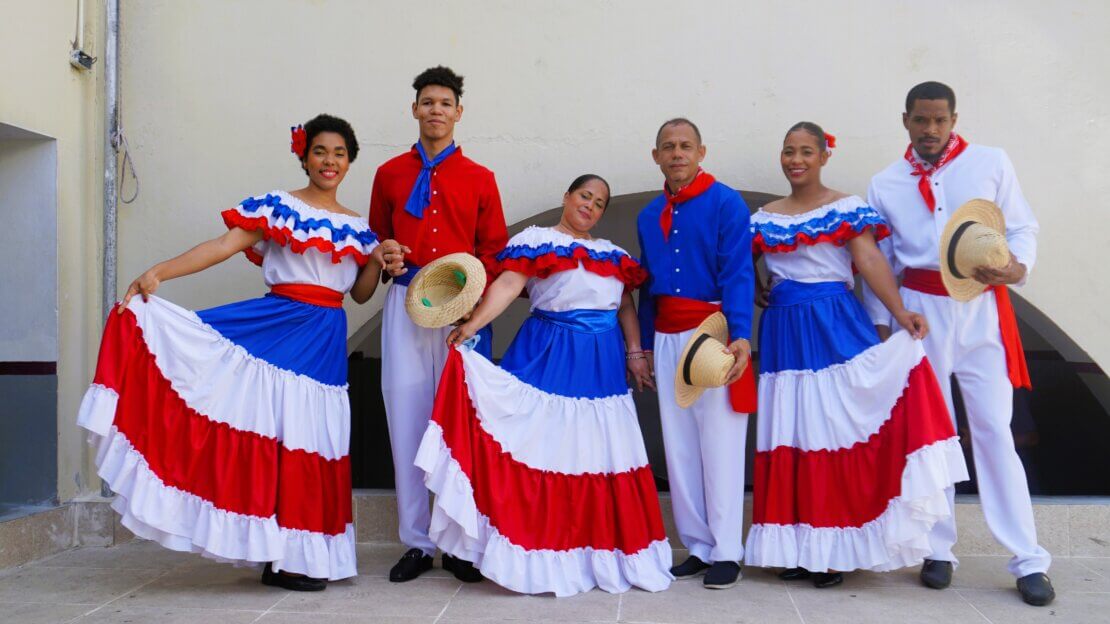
(140, 582)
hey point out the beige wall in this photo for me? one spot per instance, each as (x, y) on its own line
(558, 88)
(39, 91)
(554, 89)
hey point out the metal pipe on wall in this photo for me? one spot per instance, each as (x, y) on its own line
(111, 132)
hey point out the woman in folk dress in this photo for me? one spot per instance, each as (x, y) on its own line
(854, 444)
(225, 431)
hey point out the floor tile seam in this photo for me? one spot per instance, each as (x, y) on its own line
(793, 603)
(1059, 592)
(975, 608)
(1089, 568)
(131, 590)
(263, 614)
(52, 602)
(39, 566)
(1068, 514)
(422, 578)
(447, 604)
(143, 607)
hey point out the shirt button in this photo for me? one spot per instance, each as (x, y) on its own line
(435, 192)
(674, 231)
(435, 211)
(433, 249)
(677, 270)
(434, 230)
(676, 250)
(678, 290)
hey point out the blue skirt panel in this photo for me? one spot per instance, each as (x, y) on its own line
(307, 339)
(811, 326)
(578, 353)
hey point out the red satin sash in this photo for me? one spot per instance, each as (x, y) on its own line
(930, 283)
(309, 293)
(679, 314)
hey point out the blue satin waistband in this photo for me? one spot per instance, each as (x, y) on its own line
(406, 277)
(790, 292)
(585, 321)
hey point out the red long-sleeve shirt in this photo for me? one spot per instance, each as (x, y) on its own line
(464, 215)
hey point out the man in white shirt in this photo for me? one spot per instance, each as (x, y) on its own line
(916, 195)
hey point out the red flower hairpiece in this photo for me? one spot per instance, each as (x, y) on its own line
(299, 141)
(830, 141)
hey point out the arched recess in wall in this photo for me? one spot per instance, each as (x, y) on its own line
(1062, 429)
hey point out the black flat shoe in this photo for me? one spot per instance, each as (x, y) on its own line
(722, 575)
(691, 567)
(412, 564)
(462, 569)
(1036, 589)
(292, 583)
(794, 574)
(822, 580)
(936, 574)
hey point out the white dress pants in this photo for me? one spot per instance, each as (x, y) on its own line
(964, 340)
(705, 446)
(412, 362)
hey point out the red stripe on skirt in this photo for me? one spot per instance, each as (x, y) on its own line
(538, 509)
(235, 470)
(853, 486)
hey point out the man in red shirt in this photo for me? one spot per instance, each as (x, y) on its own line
(433, 201)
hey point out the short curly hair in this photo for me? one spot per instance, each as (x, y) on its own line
(931, 90)
(330, 123)
(440, 76)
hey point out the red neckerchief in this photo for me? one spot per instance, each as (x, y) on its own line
(956, 145)
(702, 182)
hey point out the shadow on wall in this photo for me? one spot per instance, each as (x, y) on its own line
(1062, 429)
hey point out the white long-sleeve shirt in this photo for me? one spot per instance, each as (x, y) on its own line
(980, 172)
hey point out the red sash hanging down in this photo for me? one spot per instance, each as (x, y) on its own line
(930, 283)
(679, 314)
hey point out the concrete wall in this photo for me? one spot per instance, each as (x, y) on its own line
(556, 88)
(40, 92)
(28, 195)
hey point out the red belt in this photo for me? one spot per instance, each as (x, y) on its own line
(930, 283)
(679, 314)
(309, 293)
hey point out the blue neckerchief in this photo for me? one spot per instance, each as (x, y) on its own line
(421, 194)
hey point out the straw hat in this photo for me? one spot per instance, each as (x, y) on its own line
(703, 364)
(974, 237)
(445, 290)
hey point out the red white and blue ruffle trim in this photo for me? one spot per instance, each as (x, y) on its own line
(539, 252)
(208, 451)
(837, 222)
(544, 493)
(852, 463)
(287, 221)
